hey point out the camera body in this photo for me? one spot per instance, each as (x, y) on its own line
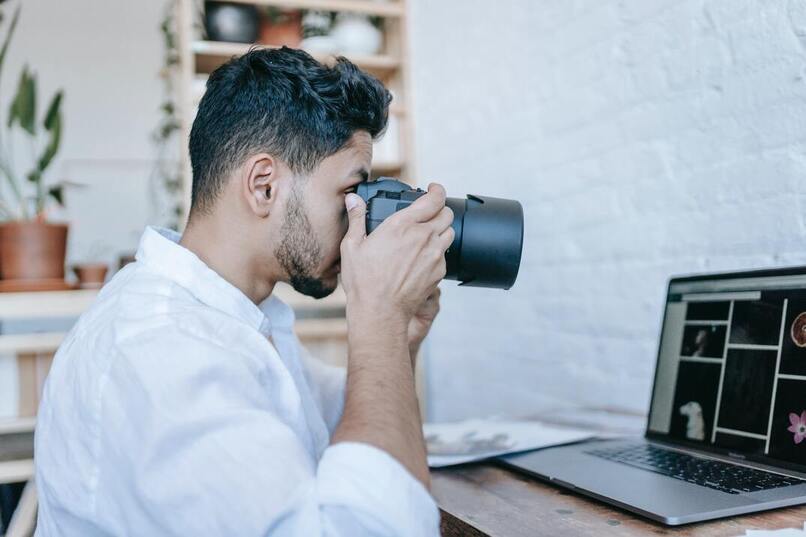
(488, 232)
(387, 197)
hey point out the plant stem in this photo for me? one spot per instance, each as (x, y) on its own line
(39, 200)
(12, 182)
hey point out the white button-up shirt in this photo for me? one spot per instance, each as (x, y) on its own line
(176, 406)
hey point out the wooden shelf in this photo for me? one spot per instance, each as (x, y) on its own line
(45, 304)
(329, 329)
(16, 471)
(301, 303)
(51, 304)
(381, 9)
(199, 86)
(31, 343)
(211, 54)
(17, 425)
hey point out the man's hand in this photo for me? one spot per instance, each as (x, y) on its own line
(420, 324)
(388, 275)
(388, 278)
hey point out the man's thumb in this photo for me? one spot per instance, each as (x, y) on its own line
(356, 215)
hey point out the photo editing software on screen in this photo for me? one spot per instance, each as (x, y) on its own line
(732, 367)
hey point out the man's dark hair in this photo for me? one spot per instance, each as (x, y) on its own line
(282, 102)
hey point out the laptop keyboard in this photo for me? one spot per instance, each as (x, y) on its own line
(722, 476)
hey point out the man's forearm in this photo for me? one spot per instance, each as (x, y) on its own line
(381, 405)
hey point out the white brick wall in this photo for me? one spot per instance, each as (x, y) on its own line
(644, 138)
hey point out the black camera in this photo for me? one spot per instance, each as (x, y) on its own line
(486, 249)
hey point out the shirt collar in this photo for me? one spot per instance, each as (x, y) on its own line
(160, 250)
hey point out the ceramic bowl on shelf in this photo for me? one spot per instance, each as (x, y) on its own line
(320, 44)
(237, 23)
(355, 34)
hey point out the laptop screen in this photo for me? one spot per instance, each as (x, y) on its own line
(731, 373)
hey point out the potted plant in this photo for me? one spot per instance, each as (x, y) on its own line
(31, 248)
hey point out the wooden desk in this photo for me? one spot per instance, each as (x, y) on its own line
(485, 499)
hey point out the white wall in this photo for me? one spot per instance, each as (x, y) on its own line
(644, 137)
(106, 56)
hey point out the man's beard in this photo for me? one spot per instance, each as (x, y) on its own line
(299, 253)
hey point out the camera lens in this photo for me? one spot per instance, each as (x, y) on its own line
(486, 250)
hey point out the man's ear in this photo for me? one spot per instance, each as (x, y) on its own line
(259, 183)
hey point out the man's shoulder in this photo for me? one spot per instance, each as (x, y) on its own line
(137, 302)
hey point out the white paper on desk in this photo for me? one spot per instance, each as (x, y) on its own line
(788, 532)
(472, 440)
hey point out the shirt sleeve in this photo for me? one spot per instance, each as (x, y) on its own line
(328, 383)
(192, 444)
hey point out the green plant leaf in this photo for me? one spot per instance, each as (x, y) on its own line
(13, 110)
(53, 124)
(10, 33)
(23, 107)
(53, 110)
(57, 193)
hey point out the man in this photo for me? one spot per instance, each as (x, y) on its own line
(182, 404)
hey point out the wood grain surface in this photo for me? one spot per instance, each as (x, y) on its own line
(485, 499)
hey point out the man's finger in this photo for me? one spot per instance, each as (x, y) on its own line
(356, 215)
(446, 238)
(442, 220)
(426, 206)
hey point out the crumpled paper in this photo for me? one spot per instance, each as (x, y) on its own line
(477, 439)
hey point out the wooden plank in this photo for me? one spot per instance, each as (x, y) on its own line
(16, 471)
(484, 499)
(27, 375)
(45, 304)
(211, 54)
(314, 329)
(183, 13)
(17, 425)
(31, 343)
(381, 9)
(302, 303)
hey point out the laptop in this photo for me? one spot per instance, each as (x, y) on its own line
(726, 433)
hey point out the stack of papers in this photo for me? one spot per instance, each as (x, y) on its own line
(473, 440)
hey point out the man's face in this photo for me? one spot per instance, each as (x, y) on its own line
(316, 220)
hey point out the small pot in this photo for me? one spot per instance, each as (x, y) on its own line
(286, 32)
(91, 275)
(32, 250)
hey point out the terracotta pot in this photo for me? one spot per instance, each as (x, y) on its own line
(288, 32)
(31, 250)
(91, 275)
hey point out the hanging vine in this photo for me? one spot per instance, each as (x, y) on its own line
(167, 175)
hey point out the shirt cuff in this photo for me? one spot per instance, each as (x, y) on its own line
(362, 477)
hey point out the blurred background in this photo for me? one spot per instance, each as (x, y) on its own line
(645, 138)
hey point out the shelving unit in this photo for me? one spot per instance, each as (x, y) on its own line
(198, 57)
(381, 9)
